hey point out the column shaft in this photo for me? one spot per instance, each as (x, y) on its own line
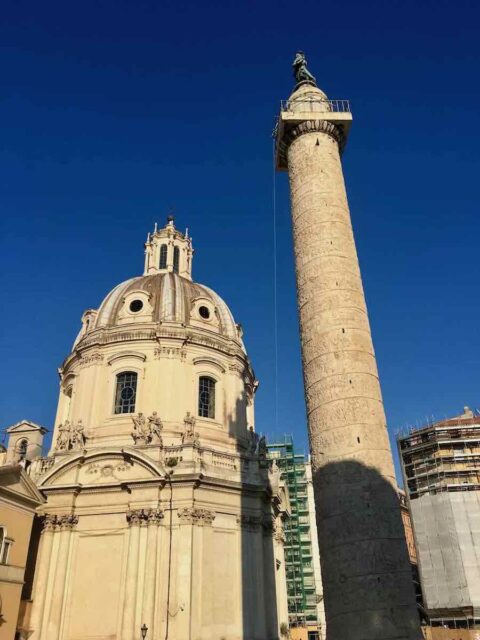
(41, 579)
(131, 583)
(366, 574)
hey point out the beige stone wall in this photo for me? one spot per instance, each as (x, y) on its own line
(365, 571)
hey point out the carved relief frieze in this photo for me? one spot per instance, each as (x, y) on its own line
(142, 517)
(193, 515)
(170, 352)
(89, 359)
(107, 470)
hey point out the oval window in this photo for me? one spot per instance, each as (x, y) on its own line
(136, 306)
(204, 312)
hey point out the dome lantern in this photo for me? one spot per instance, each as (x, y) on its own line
(168, 250)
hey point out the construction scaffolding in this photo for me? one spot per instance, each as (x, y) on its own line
(441, 471)
(303, 598)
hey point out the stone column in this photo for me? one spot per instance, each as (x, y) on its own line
(129, 607)
(366, 574)
(65, 524)
(155, 517)
(41, 576)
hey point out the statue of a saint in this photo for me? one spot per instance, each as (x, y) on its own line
(189, 435)
(253, 441)
(63, 438)
(141, 430)
(300, 71)
(155, 426)
(77, 436)
(262, 447)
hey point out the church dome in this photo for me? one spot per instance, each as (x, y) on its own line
(170, 298)
(165, 294)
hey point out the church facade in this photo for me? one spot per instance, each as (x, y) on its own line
(161, 509)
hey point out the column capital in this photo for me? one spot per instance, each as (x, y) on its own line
(308, 126)
(56, 522)
(249, 522)
(193, 515)
(144, 517)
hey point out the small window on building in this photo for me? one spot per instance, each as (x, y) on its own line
(5, 544)
(22, 449)
(206, 397)
(163, 257)
(176, 259)
(126, 392)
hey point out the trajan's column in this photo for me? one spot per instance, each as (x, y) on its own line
(367, 580)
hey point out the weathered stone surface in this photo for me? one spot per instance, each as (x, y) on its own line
(367, 580)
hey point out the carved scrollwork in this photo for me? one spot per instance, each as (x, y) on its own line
(192, 515)
(278, 532)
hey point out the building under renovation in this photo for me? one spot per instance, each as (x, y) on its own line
(441, 470)
(302, 558)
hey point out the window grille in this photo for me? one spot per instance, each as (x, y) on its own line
(126, 392)
(206, 397)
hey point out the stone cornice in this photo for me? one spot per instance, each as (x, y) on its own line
(309, 126)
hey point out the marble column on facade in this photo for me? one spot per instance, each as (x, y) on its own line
(41, 576)
(65, 524)
(128, 623)
(154, 519)
(258, 573)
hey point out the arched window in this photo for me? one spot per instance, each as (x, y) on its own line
(176, 259)
(206, 397)
(22, 449)
(126, 392)
(163, 257)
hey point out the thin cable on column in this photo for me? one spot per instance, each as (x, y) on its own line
(275, 313)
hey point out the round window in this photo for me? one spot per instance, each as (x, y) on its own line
(127, 393)
(136, 306)
(204, 312)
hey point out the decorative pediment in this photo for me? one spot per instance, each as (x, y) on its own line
(108, 467)
(16, 484)
(26, 425)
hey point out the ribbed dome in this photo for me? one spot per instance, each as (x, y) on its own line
(171, 298)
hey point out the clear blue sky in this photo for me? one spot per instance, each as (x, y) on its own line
(112, 112)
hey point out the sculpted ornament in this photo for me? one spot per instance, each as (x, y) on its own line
(300, 71)
(70, 436)
(253, 441)
(144, 516)
(147, 429)
(249, 522)
(59, 522)
(189, 436)
(192, 515)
